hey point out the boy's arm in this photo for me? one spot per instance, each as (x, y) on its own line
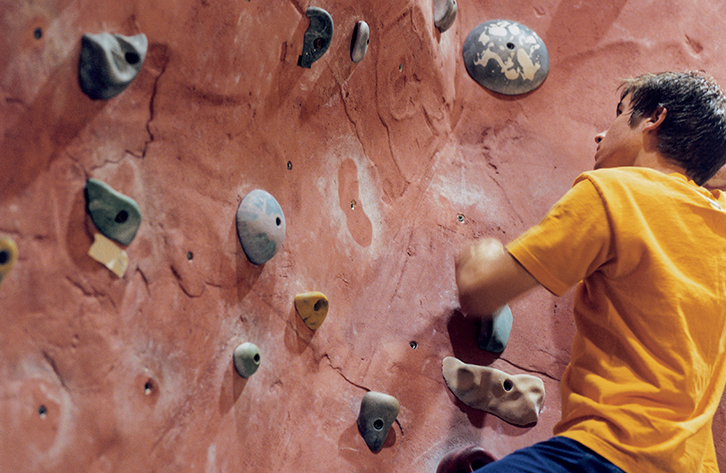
(488, 277)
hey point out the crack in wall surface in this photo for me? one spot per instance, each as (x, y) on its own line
(529, 370)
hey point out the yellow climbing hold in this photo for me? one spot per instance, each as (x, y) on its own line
(313, 308)
(8, 255)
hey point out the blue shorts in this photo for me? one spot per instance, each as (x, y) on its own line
(556, 455)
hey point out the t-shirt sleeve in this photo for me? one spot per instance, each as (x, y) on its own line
(570, 243)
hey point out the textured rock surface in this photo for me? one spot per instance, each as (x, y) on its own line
(373, 164)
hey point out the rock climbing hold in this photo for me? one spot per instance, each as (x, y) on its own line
(260, 226)
(313, 308)
(108, 254)
(8, 255)
(361, 38)
(494, 334)
(246, 359)
(465, 460)
(377, 413)
(317, 37)
(115, 215)
(109, 63)
(506, 57)
(444, 14)
(515, 399)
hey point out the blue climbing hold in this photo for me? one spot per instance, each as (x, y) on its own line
(494, 334)
(260, 226)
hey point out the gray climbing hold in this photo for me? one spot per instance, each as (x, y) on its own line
(317, 37)
(444, 14)
(506, 57)
(247, 359)
(260, 226)
(494, 334)
(378, 411)
(361, 37)
(115, 215)
(109, 63)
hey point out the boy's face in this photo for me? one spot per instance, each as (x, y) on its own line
(621, 144)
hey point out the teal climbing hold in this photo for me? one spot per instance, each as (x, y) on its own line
(109, 63)
(260, 226)
(115, 215)
(317, 37)
(494, 334)
(247, 359)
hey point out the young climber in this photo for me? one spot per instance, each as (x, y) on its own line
(646, 246)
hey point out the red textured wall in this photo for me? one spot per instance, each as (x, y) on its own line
(136, 374)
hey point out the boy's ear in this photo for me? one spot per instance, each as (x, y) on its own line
(655, 120)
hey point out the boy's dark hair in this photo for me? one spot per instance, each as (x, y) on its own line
(693, 133)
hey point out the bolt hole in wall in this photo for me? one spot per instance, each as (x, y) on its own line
(132, 58)
(38, 33)
(289, 165)
(42, 412)
(461, 218)
(353, 203)
(122, 216)
(413, 345)
(190, 255)
(4, 257)
(148, 387)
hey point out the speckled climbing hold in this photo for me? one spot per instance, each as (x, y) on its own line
(359, 45)
(378, 411)
(444, 14)
(317, 37)
(494, 334)
(517, 399)
(109, 63)
(8, 255)
(465, 460)
(312, 307)
(115, 215)
(506, 57)
(260, 226)
(247, 359)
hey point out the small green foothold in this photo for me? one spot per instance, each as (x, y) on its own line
(247, 359)
(115, 215)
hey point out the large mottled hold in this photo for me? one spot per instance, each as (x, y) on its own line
(109, 63)
(8, 255)
(115, 215)
(378, 411)
(517, 399)
(506, 57)
(260, 226)
(317, 37)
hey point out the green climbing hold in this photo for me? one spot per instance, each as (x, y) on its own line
(115, 215)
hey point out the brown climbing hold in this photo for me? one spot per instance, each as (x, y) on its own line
(313, 308)
(465, 460)
(8, 255)
(515, 399)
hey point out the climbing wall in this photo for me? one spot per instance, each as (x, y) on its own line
(382, 168)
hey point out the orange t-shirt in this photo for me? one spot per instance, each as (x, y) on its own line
(648, 360)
